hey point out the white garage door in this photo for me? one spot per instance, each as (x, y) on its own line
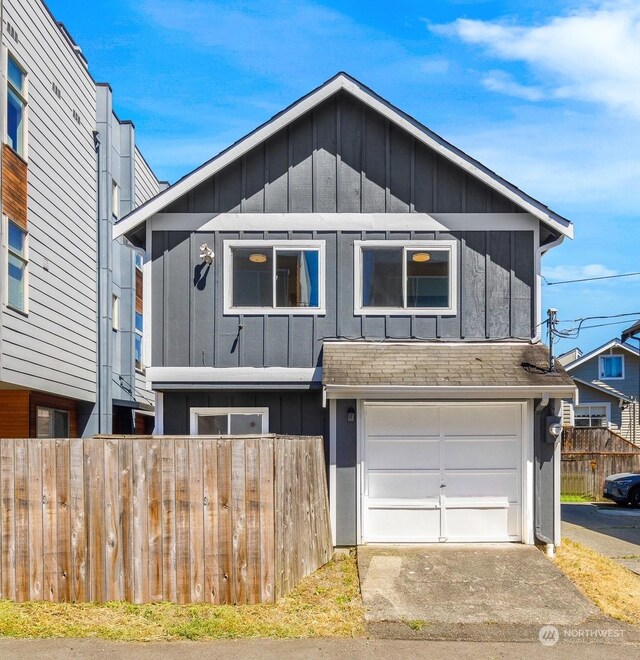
(442, 472)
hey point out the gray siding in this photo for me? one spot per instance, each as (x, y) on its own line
(496, 300)
(341, 158)
(290, 413)
(629, 385)
(53, 348)
(346, 475)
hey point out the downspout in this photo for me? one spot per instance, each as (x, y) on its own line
(540, 251)
(96, 144)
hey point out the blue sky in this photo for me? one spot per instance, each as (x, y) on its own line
(545, 93)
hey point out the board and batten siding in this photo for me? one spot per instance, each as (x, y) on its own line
(53, 348)
(342, 158)
(495, 300)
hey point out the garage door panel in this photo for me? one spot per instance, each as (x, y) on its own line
(482, 453)
(478, 421)
(490, 524)
(404, 485)
(483, 483)
(386, 525)
(422, 421)
(392, 452)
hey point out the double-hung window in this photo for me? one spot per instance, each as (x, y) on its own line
(16, 106)
(17, 267)
(265, 277)
(405, 277)
(229, 421)
(611, 367)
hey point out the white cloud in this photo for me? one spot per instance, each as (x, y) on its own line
(576, 272)
(500, 81)
(591, 54)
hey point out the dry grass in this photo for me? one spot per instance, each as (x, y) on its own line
(326, 604)
(613, 588)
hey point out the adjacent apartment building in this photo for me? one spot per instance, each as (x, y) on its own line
(71, 297)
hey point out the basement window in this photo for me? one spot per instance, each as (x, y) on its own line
(229, 421)
(263, 277)
(397, 277)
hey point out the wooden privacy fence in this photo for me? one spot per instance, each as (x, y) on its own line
(182, 519)
(591, 455)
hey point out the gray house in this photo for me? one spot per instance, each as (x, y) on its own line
(344, 271)
(608, 384)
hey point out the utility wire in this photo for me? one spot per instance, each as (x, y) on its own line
(595, 318)
(588, 279)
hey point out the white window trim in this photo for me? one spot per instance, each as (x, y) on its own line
(593, 404)
(600, 370)
(25, 309)
(23, 96)
(115, 312)
(229, 309)
(115, 199)
(139, 368)
(194, 413)
(451, 246)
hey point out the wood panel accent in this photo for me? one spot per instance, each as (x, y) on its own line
(14, 186)
(189, 520)
(139, 291)
(14, 414)
(52, 401)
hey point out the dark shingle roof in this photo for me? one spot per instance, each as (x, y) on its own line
(445, 365)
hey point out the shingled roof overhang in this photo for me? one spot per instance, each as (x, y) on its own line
(435, 370)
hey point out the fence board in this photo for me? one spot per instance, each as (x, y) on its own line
(188, 520)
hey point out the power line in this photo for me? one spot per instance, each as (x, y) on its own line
(595, 318)
(589, 279)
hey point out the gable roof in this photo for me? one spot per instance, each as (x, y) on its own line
(603, 387)
(344, 82)
(614, 343)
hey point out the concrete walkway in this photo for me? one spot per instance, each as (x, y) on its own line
(503, 592)
(354, 649)
(611, 530)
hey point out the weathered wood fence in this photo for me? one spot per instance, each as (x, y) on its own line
(589, 455)
(182, 519)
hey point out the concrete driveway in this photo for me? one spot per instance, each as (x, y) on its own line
(611, 530)
(476, 592)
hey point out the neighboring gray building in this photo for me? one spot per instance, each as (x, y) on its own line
(608, 383)
(344, 271)
(50, 343)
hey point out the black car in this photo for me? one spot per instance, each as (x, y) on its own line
(623, 488)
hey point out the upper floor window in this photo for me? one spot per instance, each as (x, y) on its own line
(115, 199)
(16, 105)
(611, 367)
(274, 277)
(139, 319)
(400, 277)
(17, 263)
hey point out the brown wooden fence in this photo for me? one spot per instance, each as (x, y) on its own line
(180, 519)
(591, 455)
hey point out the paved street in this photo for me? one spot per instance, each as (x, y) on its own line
(606, 528)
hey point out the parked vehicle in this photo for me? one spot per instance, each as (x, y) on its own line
(623, 488)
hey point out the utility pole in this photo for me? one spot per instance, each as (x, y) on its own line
(551, 322)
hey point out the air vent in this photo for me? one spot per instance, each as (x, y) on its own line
(76, 116)
(13, 33)
(56, 90)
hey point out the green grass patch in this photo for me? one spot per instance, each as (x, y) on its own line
(326, 604)
(576, 498)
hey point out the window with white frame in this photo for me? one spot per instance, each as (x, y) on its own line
(115, 312)
(611, 367)
(138, 341)
(591, 415)
(16, 106)
(115, 199)
(273, 277)
(399, 277)
(17, 265)
(229, 421)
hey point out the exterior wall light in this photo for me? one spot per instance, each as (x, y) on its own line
(351, 415)
(206, 254)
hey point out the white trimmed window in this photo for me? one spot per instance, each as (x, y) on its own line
(115, 199)
(611, 367)
(16, 107)
(592, 415)
(115, 312)
(17, 267)
(229, 421)
(274, 277)
(405, 277)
